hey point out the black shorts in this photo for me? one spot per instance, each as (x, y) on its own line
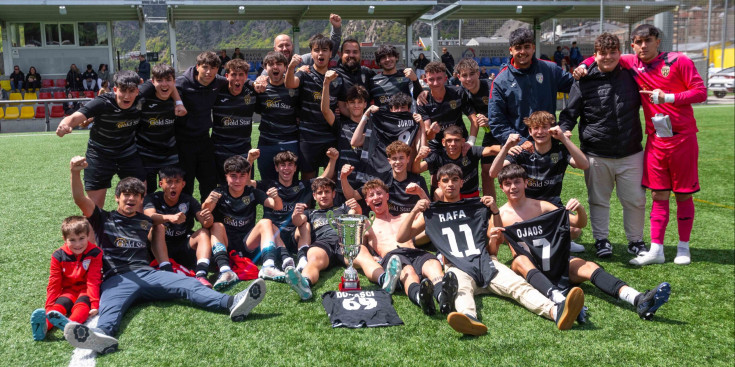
(334, 252)
(409, 256)
(487, 141)
(288, 238)
(101, 168)
(237, 242)
(181, 252)
(314, 155)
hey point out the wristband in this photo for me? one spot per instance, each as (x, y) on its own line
(669, 98)
(495, 213)
(471, 140)
(179, 103)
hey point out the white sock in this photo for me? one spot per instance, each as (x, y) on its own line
(203, 261)
(302, 263)
(269, 263)
(682, 248)
(557, 296)
(628, 294)
(225, 268)
(656, 249)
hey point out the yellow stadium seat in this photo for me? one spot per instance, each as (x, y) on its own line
(15, 97)
(5, 84)
(27, 112)
(12, 113)
(2, 112)
(30, 95)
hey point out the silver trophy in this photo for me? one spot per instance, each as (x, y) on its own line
(350, 228)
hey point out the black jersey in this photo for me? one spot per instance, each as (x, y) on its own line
(313, 127)
(356, 309)
(175, 233)
(545, 171)
(468, 163)
(321, 229)
(237, 213)
(480, 101)
(198, 100)
(232, 121)
(123, 240)
(347, 153)
(298, 192)
(448, 112)
(277, 107)
(113, 131)
(359, 76)
(381, 87)
(156, 137)
(399, 201)
(386, 127)
(459, 232)
(545, 241)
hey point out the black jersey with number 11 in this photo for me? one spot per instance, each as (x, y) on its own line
(459, 232)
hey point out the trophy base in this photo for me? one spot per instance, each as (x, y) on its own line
(349, 285)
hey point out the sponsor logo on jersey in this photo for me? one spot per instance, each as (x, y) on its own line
(230, 121)
(456, 214)
(234, 222)
(277, 103)
(319, 222)
(158, 121)
(530, 231)
(126, 123)
(152, 105)
(85, 263)
(540, 78)
(224, 99)
(512, 85)
(128, 243)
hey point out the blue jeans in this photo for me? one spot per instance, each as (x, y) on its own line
(119, 292)
(16, 85)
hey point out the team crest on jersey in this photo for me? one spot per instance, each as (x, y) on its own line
(183, 207)
(317, 96)
(246, 200)
(486, 100)
(383, 99)
(296, 189)
(85, 263)
(465, 161)
(291, 92)
(554, 158)
(400, 79)
(453, 104)
(248, 99)
(145, 225)
(665, 71)
(540, 78)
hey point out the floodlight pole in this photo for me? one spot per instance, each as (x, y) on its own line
(433, 39)
(709, 28)
(724, 33)
(172, 44)
(409, 41)
(602, 15)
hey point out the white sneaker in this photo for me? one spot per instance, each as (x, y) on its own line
(81, 336)
(683, 257)
(575, 247)
(271, 273)
(648, 258)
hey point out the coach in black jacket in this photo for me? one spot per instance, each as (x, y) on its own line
(606, 102)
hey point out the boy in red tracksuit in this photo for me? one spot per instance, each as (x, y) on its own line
(74, 280)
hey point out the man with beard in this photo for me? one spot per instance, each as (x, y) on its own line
(351, 70)
(282, 43)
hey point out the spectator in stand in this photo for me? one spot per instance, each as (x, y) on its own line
(71, 106)
(103, 74)
(16, 79)
(558, 56)
(420, 64)
(237, 54)
(483, 73)
(454, 80)
(104, 88)
(89, 78)
(565, 64)
(33, 79)
(144, 68)
(73, 78)
(574, 55)
(448, 61)
(223, 60)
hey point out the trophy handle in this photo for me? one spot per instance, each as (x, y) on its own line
(330, 219)
(371, 218)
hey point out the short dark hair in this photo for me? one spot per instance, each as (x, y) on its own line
(435, 67)
(171, 172)
(208, 58)
(454, 130)
(510, 172)
(349, 40)
(126, 80)
(451, 170)
(467, 64)
(162, 71)
(275, 57)
(320, 41)
(385, 51)
(607, 41)
(372, 185)
(76, 224)
(645, 30)
(236, 163)
(130, 185)
(89, 66)
(237, 65)
(357, 92)
(399, 100)
(285, 156)
(520, 36)
(322, 182)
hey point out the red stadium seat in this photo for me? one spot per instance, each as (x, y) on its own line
(57, 110)
(365, 63)
(40, 112)
(47, 83)
(61, 83)
(59, 95)
(75, 94)
(89, 94)
(44, 95)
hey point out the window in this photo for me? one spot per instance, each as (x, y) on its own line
(67, 33)
(52, 34)
(26, 35)
(92, 34)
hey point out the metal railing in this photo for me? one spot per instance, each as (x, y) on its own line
(45, 102)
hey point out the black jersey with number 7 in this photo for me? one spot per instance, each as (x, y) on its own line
(459, 232)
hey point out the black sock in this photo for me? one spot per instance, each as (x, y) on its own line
(283, 254)
(438, 289)
(381, 279)
(607, 282)
(301, 252)
(201, 267)
(309, 282)
(413, 293)
(539, 281)
(221, 259)
(269, 253)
